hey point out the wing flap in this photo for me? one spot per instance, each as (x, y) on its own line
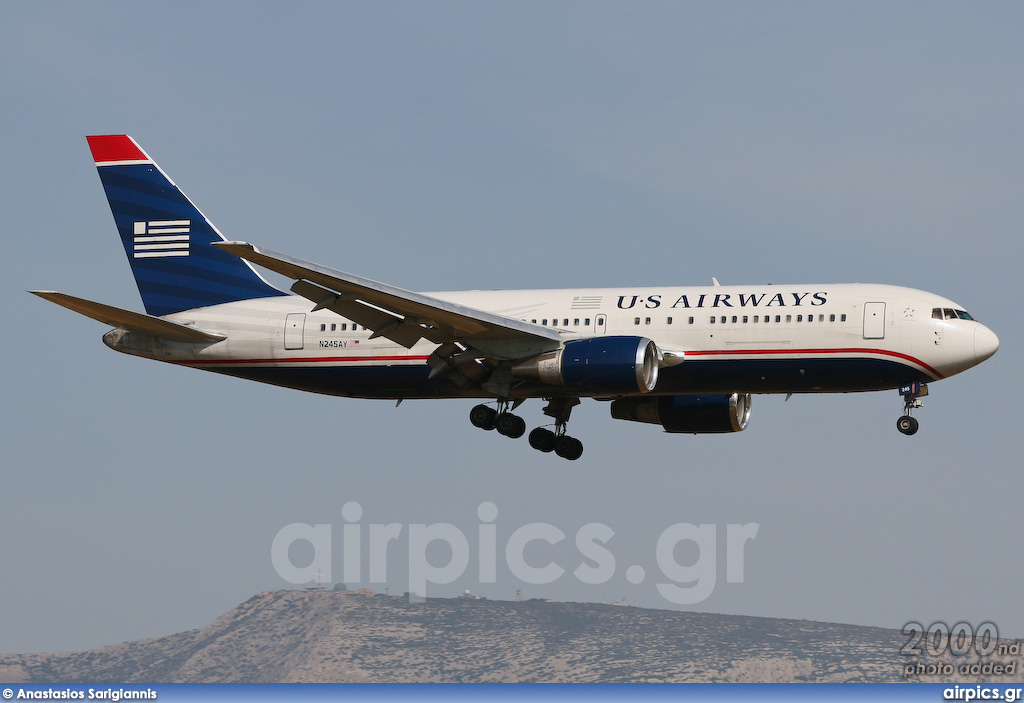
(395, 313)
(126, 319)
(400, 330)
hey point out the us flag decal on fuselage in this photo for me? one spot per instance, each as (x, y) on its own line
(586, 302)
(159, 238)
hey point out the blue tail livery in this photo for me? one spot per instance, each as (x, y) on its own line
(166, 237)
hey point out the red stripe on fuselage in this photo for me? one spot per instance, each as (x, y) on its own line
(300, 360)
(698, 352)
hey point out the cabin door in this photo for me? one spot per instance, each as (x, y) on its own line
(293, 327)
(874, 320)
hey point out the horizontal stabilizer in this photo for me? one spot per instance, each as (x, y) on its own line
(128, 320)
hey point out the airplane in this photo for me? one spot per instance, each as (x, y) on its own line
(686, 358)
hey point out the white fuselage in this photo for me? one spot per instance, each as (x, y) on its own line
(746, 339)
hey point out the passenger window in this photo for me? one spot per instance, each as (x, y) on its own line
(576, 322)
(744, 319)
(842, 318)
(636, 320)
(691, 321)
(544, 321)
(647, 320)
(723, 319)
(668, 321)
(778, 318)
(713, 319)
(799, 318)
(323, 328)
(586, 321)
(565, 322)
(831, 318)
(789, 318)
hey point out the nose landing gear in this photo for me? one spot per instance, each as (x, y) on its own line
(912, 394)
(907, 425)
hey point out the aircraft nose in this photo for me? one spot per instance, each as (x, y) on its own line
(985, 343)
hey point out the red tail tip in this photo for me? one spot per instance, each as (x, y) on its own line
(115, 147)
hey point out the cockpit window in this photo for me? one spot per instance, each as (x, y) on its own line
(950, 314)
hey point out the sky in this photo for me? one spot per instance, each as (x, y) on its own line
(447, 146)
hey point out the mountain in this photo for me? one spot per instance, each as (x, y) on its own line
(344, 636)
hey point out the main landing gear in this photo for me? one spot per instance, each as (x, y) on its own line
(912, 394)
(502, 420)
(542, 439)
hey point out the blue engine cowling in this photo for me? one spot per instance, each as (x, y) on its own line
(597, 366)
(694, 414)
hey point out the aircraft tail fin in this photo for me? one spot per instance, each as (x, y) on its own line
(166, 238)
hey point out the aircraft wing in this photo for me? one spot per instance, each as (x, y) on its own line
(400, 315)
(128, 320)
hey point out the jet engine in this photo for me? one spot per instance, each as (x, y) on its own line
(598, 365)
(694, 414)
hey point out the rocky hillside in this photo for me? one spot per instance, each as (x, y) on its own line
(337, 636)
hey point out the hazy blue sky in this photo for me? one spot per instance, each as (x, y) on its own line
(450, 145)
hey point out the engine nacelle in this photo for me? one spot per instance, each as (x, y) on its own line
(598, 365)
(695, 414)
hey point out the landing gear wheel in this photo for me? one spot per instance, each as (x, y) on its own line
(542, 439)
(907, 425)
(568, 448)
(483, 417)
(510, 425)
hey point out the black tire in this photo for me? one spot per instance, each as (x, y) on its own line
(520, 429)
(542, 439)
(483, 417)
(569, 448)
(907, 425)
(512, 426)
